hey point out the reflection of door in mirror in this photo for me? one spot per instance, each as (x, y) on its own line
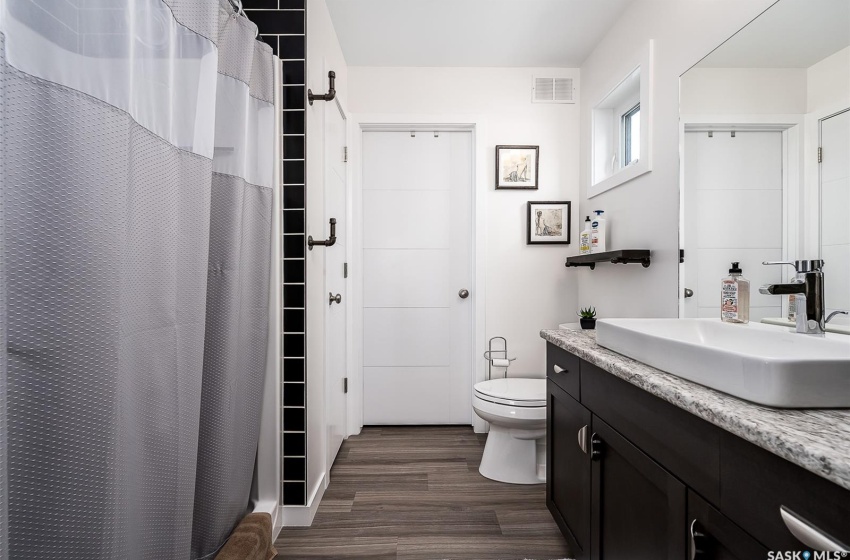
(732, 204)
(835, 212)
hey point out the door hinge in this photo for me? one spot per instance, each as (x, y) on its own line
(344, 384)
(345, 270)
(820, 155)
(345, 154)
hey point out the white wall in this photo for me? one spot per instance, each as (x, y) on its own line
(829, 92)
(323, 54)
(527, 287)
(744, 91)
(644, 213)
(829, 82)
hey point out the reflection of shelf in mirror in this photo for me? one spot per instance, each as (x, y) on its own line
(625, 256)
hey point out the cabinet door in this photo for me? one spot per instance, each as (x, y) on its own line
(713, 536)
(568, 468)
(637, 508)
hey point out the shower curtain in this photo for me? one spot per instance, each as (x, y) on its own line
(136, 162)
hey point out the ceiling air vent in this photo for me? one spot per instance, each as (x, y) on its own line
(553, 90)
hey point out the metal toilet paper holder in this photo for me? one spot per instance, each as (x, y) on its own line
(493, 354)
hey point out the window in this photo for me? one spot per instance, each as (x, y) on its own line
(631, 135)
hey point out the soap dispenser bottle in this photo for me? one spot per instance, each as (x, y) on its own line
(584, 238)
(735, 297)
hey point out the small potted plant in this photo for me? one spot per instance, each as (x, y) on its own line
(588, 318)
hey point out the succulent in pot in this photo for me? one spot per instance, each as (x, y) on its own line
(587, 318)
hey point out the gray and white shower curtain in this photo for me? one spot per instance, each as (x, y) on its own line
(136, 164)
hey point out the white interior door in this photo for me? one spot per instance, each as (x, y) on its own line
(417, 238)
(732, 212)
(335, 279)
(835, 209)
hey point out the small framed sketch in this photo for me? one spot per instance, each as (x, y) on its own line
(516, 167)
(549, 223)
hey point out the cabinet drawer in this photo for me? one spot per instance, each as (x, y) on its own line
(563, 369)
(756, 484)
(713, 536)
(683, 444)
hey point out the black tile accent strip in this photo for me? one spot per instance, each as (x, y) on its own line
(249, 5)
(293, 419)
(293, 222)
(293, 320)
(294, 246)
(294, 445)
(293, 296)
(293, 122)
(293, 196)
(293, 271)
(293, 147)
(293, 72)
(292, 47)
(294, 493)
(293, 370)
(281, 24)
(293, 172)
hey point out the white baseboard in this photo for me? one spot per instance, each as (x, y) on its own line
(270, 507)
(302, 516)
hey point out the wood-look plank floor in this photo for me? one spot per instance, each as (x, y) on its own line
(411, 493)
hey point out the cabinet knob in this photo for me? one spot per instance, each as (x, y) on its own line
(558, 369)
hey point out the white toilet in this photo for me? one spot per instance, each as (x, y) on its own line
(516, 411)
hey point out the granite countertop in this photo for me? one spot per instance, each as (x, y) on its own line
(817, 440)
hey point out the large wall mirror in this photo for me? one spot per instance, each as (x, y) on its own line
(765, 158)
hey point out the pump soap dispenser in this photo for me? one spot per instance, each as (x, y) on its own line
(735, 297)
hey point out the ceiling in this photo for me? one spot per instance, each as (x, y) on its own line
(790, 34)
(560, 33)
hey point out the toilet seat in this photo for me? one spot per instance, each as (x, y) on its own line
(513, 391)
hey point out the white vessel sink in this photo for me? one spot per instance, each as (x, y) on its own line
(765, 364)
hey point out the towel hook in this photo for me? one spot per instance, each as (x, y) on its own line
(325, 96)
(327, 242)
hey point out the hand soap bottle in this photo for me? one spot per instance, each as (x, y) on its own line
(584, 238)
(598, 233)
(735, 297)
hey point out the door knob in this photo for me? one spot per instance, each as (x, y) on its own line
(463, 294)
(334, 298)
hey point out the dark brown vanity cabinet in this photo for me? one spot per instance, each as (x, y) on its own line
(712, 536)
(637, 508)
(632, 477)
(568, 467)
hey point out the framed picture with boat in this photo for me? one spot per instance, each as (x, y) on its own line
(548, 223)
(517, 166)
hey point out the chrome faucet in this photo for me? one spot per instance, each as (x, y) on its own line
(808, 287)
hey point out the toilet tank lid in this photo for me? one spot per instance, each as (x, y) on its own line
(514, 388)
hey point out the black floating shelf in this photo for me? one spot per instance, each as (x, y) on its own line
(626, 256)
